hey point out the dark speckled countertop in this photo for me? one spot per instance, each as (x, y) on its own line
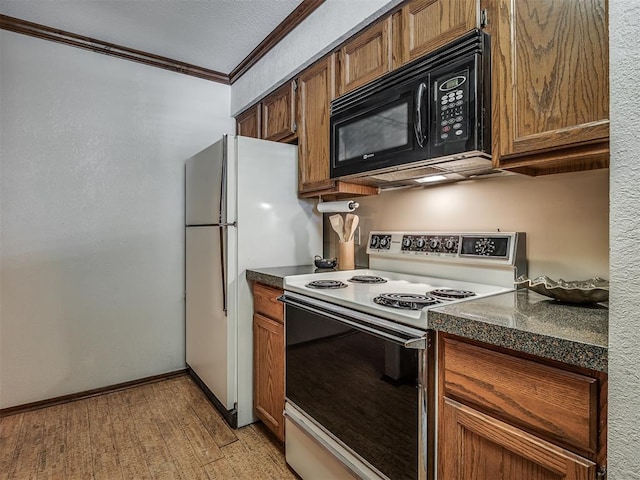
(523, 321)
(274, 277)
(531, 323)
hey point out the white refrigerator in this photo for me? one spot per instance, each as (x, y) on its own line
(242, 211)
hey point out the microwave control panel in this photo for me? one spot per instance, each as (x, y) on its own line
(452, 108)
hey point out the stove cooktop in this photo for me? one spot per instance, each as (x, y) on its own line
(408, 291)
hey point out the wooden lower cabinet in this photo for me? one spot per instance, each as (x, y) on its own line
(268, 358)
(509, 416)
(475, 446)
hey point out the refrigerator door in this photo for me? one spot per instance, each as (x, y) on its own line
(210, 339)
(205, 181)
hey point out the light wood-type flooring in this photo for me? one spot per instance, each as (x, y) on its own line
(163, 430)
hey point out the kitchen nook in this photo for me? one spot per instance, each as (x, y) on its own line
(319, 239)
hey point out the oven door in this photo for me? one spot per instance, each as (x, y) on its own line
(363, 381)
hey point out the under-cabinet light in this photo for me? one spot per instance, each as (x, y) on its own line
(432, 178)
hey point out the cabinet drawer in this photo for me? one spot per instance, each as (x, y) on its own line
(265, 302)
(554, 403)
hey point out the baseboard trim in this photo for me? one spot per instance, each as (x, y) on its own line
(230, 416)
(27, 407)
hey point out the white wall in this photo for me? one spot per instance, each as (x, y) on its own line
(91, 215)
(565, 217)
(326, 27)
(624, 313)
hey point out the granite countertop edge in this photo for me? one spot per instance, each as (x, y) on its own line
(274, 276)
(580, 354)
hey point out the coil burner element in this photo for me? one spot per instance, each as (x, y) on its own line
(406, 301)
(326, 284)
(367, 279)
(451, 294)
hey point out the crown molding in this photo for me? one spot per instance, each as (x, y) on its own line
(44, 32)
(306, 8)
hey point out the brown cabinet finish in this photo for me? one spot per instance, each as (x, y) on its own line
(550, 85)
(365, 57)
(430, 24)
(553, 403)
(475, 446)
(315, 92)
(248, 122)
(316, 89)
(511, 416)
(279, 114)
(265, 302)
(268, 358)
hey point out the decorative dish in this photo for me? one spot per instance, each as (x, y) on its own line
(325, 262)
(593, 290)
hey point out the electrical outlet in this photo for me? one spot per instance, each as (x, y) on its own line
(356, 237)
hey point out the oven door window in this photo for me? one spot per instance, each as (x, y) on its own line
(371, 136)
(359, 387)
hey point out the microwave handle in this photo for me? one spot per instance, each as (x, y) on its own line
(417, 126)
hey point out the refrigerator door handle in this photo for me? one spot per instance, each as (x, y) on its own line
(223, 267)
(222, 204)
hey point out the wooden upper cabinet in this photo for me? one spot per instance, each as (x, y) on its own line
(248, 122)
(316, 89)
(430, 24)
(550, 85)
(279, 114)
(365, 57)
(315, 92)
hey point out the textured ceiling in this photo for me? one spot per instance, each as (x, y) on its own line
(214, 34)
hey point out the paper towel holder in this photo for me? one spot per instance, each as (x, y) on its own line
(337, 206)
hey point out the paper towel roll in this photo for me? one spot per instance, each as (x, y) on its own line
(330, 207)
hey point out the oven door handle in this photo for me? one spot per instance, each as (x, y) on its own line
(416, 343)
(408, 338)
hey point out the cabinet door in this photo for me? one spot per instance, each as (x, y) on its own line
(366, 57)
(474, 446)
(248, 122)
(268, 374)
(278, 114)
(315, 92)
(429, 24)
(551, 85)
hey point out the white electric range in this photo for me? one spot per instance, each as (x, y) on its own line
(358, 346)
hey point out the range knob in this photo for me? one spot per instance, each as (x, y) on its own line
(420, 243)
(434, 243)
(375, 241)
(384, 242)
(406, 243)
(450, 244)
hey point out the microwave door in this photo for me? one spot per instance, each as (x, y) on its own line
(374, 135)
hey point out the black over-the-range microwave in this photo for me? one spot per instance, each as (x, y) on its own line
(430, 117)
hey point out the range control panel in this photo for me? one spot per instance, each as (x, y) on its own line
(465, 246)
(430, 243)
